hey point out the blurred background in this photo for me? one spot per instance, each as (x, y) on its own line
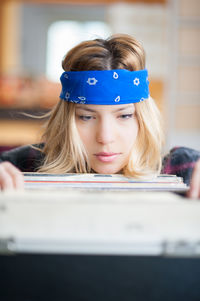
(35, 35)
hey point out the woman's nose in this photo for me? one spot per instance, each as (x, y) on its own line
(105, 133)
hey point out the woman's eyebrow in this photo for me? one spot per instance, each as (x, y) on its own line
(124, 108)
(93, 111)
(85, 109)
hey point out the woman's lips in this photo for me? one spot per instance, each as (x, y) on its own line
(106, 157)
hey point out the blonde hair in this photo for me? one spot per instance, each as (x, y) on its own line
(64, 151)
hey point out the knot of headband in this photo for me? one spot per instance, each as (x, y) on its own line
(109, 87)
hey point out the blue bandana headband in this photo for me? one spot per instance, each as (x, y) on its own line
(109, 87)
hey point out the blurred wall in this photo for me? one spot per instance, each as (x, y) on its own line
(183, 88)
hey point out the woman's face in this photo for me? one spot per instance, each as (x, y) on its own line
(108, 133)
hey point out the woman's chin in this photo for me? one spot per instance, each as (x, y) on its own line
(106, 170)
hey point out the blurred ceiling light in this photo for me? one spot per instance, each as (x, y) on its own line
(63, 35)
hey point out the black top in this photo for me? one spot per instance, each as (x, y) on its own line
(26, 158)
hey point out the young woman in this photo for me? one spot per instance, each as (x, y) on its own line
(105, 121)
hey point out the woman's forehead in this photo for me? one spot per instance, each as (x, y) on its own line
(100, 108)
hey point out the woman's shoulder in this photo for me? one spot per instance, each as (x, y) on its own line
(26, 158)
(180, 161)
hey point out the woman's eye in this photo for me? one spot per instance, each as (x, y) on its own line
(84, 117)
(126, 116)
